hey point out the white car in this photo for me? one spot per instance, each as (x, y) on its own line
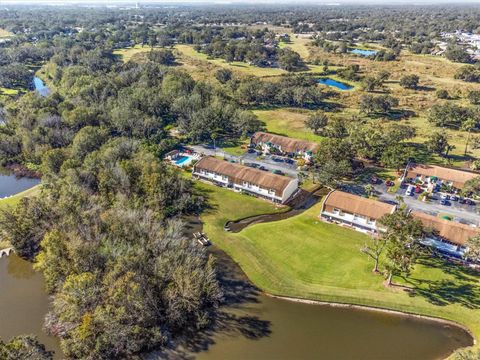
(410, 190)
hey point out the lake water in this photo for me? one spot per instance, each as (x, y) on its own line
(11, 184)
(40, 87)
(336, 84)
(253, 326)
(363, 52)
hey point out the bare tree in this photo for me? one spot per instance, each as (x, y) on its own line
(374, 248)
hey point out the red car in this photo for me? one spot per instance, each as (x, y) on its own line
(389, 183)
(418, 189)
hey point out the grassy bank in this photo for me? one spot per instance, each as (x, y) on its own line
(15, 199)
(304, 258)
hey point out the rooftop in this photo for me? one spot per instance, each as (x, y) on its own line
(449, 230)
(358, 205)
(457, 176)
(240, 173)
(287, 144)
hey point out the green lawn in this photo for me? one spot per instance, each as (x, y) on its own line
(287, 122)
(15, 199)
(306, 258)
(127, 53)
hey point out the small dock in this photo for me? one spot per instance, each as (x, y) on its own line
(201, 238)
(6, 252)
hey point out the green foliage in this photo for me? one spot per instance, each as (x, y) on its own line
(316, 122)
(448, 115)
(290, 60)
(24, 347)
(401, 235)
(409, 81)
(437, 143)
(223, 75)
(458, 54)
(442, 94)
(381, 104)
(162, 57)
(25, 225)
(468, 73)
(472, 251)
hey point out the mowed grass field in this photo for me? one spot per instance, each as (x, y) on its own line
(127, 54)
(287, 122)
(303, 257)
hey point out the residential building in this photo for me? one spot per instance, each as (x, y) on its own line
(437, 175)
(446, 236)
(355, 211)
(260, 183)
(271, 143)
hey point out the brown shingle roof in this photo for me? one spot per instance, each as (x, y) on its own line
(239, 173)
(358, 205)
(456, 176)
(287, 144)
(454, 232)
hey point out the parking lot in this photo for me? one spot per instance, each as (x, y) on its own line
(461, 212)
(271, 163)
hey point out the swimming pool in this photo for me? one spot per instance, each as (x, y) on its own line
(184, 160)
(334, 83)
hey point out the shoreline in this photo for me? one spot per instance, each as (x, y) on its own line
(376, 309)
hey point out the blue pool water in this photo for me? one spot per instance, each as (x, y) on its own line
(334, 83)
(40, 87)
(363, 52)
(182, 160)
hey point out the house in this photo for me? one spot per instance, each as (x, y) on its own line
(446, 236)
(355, 211)
(431, 175)
(271, 143)
(260, 183)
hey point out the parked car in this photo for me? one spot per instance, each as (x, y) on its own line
(461, 200)
(254, 165)
(410, 190)
(277, 172)
(251, 151)
(454, 197)
(418, 189)
(290, 161)
(444, 197)
(443, 202)
(263, 168)
(389, 183)
(374, 180)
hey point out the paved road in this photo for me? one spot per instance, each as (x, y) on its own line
(267, 162)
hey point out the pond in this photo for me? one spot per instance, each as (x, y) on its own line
(334, 83)
(363, 52)
(23, 302)
(253, 325)
(40, 86)
(11, 184)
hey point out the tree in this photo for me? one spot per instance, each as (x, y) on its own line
(458, 54)
(26, 224)
(223, 75)
(468, 125)
(474, 97)
(437, 143)
(162, 56)
(409, 81)
(395, 156)
(316, 121)
(374, 248)
(290, 60)
(472, 186)
(472, 252)
(25, 347)
(468, 73)
(402, 232)
(442, 94)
